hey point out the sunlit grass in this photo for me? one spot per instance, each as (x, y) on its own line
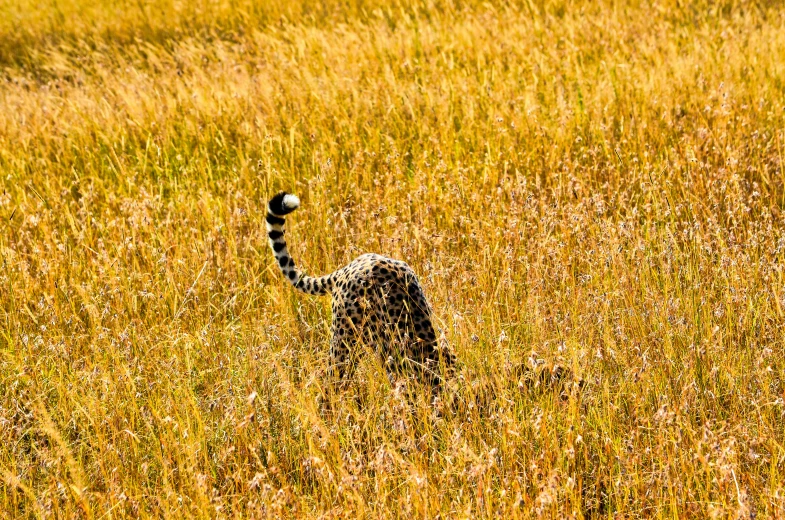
(595, 185)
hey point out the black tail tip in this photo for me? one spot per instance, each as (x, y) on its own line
(283, 204)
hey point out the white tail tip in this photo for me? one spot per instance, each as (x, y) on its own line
(291, 202)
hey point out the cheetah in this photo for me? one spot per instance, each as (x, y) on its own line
(376, 301)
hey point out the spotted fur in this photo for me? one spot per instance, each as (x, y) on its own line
(376, 302)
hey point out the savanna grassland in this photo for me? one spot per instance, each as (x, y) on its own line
(595, 185)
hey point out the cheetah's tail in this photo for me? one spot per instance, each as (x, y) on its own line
(278, 207)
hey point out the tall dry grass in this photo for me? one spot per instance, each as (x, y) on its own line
(598, 185)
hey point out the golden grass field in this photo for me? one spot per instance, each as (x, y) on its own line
(598, 185)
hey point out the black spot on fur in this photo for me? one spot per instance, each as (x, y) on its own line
(283, 260)
(278, 247)
(275, 234)
(292, 274)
